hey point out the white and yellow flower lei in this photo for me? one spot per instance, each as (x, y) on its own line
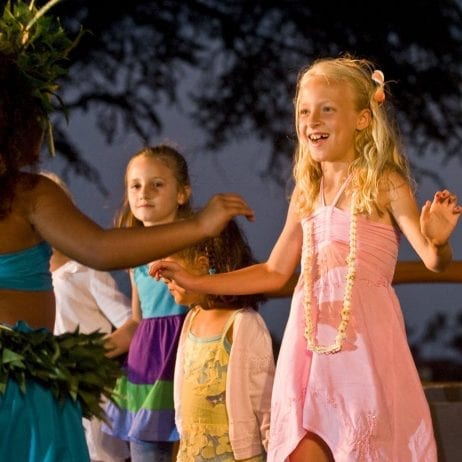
(307, 254)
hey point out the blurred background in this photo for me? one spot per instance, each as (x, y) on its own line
(216, 79)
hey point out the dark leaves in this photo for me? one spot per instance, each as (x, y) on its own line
(71, 365)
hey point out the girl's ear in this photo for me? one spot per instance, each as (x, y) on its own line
(364, 119)
(184, 195)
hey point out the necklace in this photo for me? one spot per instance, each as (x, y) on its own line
(308, 254)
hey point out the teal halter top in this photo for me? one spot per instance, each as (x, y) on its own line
(27, 269)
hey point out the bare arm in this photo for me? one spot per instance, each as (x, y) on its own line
(429, 231)
(119, 341)
(273, 276)
(60, 223)
(438, 219)
(287, 290)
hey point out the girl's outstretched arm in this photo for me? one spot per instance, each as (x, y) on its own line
(273, 276)
(439, 217)
(428, 231)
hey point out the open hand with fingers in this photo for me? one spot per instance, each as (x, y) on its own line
(220, 209)
(439, 217)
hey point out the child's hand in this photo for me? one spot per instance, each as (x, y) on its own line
(439, 217)
(171, 271)
(220, 209)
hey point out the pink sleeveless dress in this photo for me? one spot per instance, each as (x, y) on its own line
(366, 401)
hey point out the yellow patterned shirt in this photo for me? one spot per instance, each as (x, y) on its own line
(204, 436)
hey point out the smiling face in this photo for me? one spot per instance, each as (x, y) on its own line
(327, 119)
(153, 191)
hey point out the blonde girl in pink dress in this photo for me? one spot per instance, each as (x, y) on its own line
(346, 387)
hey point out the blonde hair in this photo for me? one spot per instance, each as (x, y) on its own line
(377, 148)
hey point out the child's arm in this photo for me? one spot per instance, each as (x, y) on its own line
(119, 341)
(429, 232)
(272, 276)
(287, 290)
(438, 220)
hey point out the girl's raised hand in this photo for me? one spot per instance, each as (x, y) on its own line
(219, 210)
(439, 217)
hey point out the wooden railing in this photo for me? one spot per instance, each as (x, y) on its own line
(414, 272)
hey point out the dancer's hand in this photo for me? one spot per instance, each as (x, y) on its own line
(220, 209)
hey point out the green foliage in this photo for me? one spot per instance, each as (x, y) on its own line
(40, 47)
(71, 365)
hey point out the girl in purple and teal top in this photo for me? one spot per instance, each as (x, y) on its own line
(157, 192)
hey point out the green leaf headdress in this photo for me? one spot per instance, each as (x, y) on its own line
(40, 47)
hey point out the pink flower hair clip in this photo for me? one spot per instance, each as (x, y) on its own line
(379, 94)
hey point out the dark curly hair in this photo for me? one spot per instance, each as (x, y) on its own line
(21, 131)
(227, 252)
